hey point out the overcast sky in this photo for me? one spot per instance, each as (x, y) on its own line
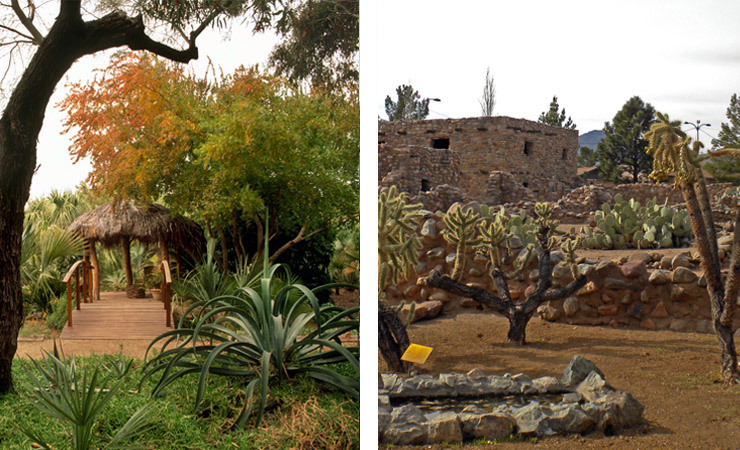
(56, 170)
(681, 56)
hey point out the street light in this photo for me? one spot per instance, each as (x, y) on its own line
(698, 126)
(419, 104)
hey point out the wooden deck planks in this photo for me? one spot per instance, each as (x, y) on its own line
(115, 317)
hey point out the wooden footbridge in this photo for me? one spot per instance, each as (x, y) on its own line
(113, 316)
(117, 317)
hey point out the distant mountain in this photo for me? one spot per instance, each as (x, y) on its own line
(590, 139)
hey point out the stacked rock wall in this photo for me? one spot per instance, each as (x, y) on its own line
(648, 290)
(417, 169)
(540, 157)
(577, 204)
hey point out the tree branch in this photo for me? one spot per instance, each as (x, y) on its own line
(299, 238)
(13, 30)
(499, 280)
(117, 29)
(565, 291)
(38, 38)
(477, 294)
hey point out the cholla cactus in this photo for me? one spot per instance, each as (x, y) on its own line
(398, 241)
(461, 231)
(397, 247)
(569, 247)
(493, 236)
(671, 153)
(494, 233)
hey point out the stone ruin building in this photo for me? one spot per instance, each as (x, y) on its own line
(492, 160)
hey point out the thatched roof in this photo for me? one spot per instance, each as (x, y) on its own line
(112, 222)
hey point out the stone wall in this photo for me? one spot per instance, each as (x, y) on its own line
(647, 290)
(541, 157)
(578, 204)
(416, 169)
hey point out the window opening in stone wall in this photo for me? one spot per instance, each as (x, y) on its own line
(441, 143)
(525, 184)
(426, 185)
(528, 147)
(565, 153)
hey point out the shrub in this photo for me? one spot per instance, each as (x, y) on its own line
(260, 335)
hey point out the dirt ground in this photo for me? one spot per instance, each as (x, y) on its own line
(674, 375)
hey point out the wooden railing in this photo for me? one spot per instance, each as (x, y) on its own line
(164, 267)
(80, 270)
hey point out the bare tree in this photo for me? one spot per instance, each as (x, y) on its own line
(55, 45)
(488, 100)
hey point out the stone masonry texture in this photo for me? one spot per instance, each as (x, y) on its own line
(419, 155)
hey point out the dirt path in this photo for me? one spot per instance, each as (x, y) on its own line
(672, 374)
(133, 348)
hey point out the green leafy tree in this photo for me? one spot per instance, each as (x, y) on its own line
(321, 40)
(408, 105)
(586, 157)
(727, 168)
(556, 117)
(56, 34)
(221, 151)
(624, 147)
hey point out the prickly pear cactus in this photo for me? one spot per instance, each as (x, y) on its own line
(629, 224)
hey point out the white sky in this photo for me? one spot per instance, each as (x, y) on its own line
(56, 170)
(681, 56)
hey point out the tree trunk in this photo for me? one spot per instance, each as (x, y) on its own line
(518, 326)
(392, 338)
(519, 314)
(127, 262)
(720, 304)
(729, 372)
(68, 39)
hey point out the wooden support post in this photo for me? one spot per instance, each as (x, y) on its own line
(77, 289)
(168, 305)
(95, 272)
(69, 304)
(127, 261)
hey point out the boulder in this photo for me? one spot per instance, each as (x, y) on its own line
(659, 312)
(659, 277)
(570, 306)
(429, 229)
(405, 427)
(577, 370)
(681, 260)
(634, 268)
(488, 426)
(444, 428)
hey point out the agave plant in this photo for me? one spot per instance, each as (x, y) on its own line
(205, 282)
(259, 334)
(76, 398)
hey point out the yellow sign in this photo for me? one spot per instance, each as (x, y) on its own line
(416, 354)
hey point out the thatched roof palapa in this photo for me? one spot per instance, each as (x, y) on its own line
(112, 223)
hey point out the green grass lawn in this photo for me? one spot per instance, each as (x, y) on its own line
(302, 414)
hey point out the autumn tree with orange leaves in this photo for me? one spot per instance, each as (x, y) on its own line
(220, 150)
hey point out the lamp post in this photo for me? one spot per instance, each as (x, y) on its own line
(698, 126)
(419, 107)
